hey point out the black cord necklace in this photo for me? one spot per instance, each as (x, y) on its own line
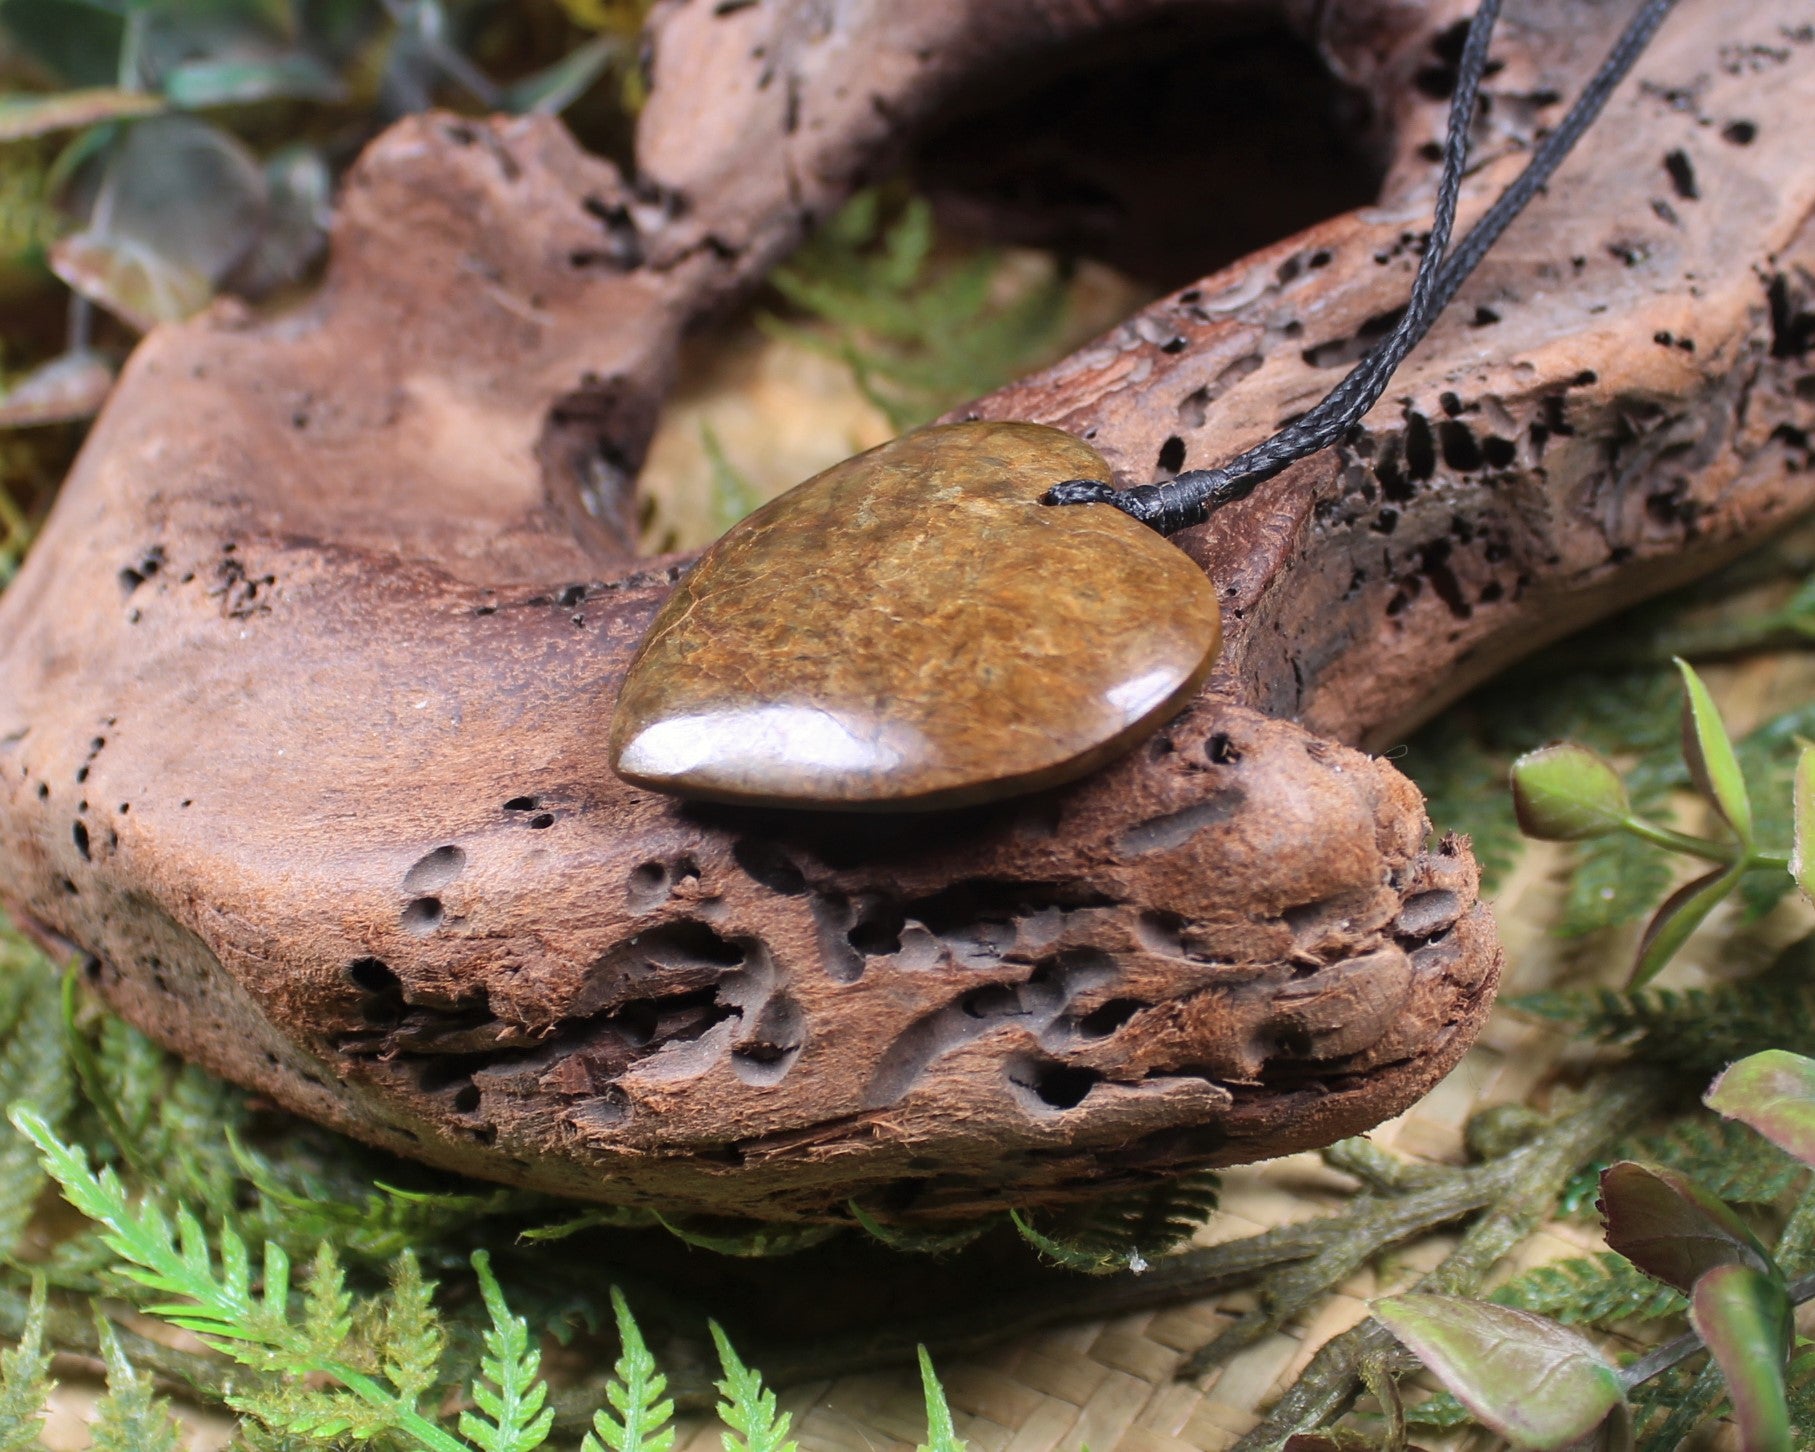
(915, 628)
(1192, 497)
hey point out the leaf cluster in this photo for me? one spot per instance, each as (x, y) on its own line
(920, 330)
(156, 152)
(1518, 1365)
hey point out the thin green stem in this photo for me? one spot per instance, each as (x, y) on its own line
(406, 1419)
(1703, 847)
(1673, 1353)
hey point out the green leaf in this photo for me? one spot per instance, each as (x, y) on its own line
(199, 84)
(1670, 1228)
(25, 1383)
(748, 1408)
(1709, 752)
(77, 40)
(637, 1393)
(551, 91)
(23, 116)
(1802, 824)
(1566, 793)
(1537, 1384)
(512, 1394)
(1774, 1093)
(1620, 878)
(35, 1072)
(135, 283)
(1743, 1314)
(1678, 916)
(941, 1435)
(917, 1241)
(298, 187)
(179, 204)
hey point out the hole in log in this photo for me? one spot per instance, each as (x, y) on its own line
(423, 916)
(1054, 1086)
(435, 871)
(1087, 151)
(767, 865)
(373, 975)
(1101, 1022)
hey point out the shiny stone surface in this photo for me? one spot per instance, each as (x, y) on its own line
(913, 628)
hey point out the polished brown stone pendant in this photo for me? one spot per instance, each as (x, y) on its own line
(912, 629)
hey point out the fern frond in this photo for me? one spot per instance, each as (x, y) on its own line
(1595, 1290)
(1439, 1413)
(35, 1070)
(748, 1407)
(1697, 1031)
(1668, 1408)
(211, 1294)
(409, 1337)
(129, 1418)
(1801, 1384)
(922, 1242)
(25, 1383)
(1463, 779)
(747, 1239)
(1722, 1156)
(511, 1392)
(941, 1435)
(917, 333)
(636, 1394)
(1124, 1230)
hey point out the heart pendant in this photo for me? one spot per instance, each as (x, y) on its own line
(912, 628)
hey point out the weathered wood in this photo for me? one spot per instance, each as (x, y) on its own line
(303, 693)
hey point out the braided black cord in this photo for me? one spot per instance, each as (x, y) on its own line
(1193, 496)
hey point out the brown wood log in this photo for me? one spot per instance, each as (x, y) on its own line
(303, 692)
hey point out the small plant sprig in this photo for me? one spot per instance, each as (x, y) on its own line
(329, 1368)
(163, 204)
(1567, 792)
(1541, 1384)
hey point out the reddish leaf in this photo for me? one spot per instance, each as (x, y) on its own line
(1536, 1383)
(1671, 1228)
(1744, 1315)
(1802, 824)
(1774, 1093)
(1677, 917)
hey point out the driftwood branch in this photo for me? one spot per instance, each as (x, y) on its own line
(303, 693)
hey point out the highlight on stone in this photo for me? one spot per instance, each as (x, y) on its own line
(912, 629)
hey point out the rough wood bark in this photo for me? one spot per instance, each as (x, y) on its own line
(303, 692)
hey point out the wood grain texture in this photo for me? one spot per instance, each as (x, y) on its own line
(303, 692)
